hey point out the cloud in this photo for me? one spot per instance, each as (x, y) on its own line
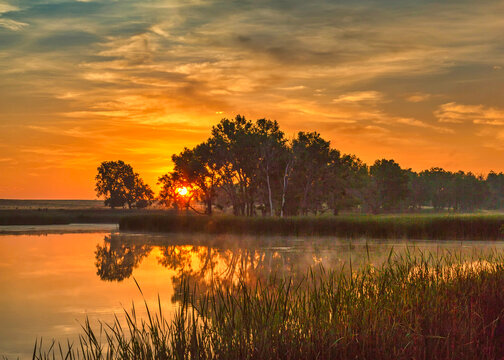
(418, 97)
(137, 49)
(422, 124)
(478, 114)
(293, 88)
(12, 24)
(358, 97)
(4, 7)
(112, 76)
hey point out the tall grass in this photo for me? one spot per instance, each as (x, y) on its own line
(475, 227)
(412, 307)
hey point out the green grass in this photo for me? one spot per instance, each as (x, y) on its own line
(435, 226)
(412, 307)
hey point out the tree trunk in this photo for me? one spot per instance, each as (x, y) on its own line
(209, 206)
(269, 190)
(284, 190)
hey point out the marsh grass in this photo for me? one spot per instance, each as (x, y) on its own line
(435, 226)
(411, 307)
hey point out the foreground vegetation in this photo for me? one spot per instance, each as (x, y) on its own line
(436, 227)
(412, 307)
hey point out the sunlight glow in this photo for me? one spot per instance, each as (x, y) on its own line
(182, 191)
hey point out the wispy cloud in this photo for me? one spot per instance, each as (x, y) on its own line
(417, 97)
(12, 24)
(359, 97)
(477, 114)
(375, 77)
(422, 124)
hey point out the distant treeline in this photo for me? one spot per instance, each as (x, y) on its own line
(251, 168)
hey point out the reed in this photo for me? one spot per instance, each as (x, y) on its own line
(436, 226)
(411, 307)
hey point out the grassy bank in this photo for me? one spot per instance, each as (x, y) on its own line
(410, 308)
(68, 216)
(477, 227)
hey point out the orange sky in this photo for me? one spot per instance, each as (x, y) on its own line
(88, 81)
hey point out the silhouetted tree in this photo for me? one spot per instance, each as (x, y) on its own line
(197, 169)
(236, 157)
(469, 191)
(119, 185)
(171, 194)
(250, 166)
(390, 183)
(311, 158)
(345, 179)
(439, 190)
(143, 195)
(495, 188)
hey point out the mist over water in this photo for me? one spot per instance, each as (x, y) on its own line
(50, 283)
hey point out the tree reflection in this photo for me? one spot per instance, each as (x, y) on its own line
(116, 259)
(203, 264)
(202, 268)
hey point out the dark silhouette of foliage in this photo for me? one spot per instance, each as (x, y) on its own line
(196, 169)
(170, 193)
(251, 168)
(390, 182)
(120, 185)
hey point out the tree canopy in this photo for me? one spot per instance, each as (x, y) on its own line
(250, 168)
(120, 185)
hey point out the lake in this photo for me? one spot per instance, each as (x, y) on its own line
(50, 283)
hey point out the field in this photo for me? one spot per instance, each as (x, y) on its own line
(412, 307)
(60, 212)
(14, 204)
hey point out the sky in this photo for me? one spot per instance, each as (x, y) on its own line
(82, 82)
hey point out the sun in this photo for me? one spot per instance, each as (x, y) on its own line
(182, 191)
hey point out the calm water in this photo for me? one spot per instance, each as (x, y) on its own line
(50, 283)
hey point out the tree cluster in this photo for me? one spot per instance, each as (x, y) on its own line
(250, 168)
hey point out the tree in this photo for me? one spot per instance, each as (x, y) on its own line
(470, 191)
(418, 190)
(175, 191)
(311, 159)
(119, 185)
(143, 195)
(273, 154)
(236, 157)
(439, 189)
(196, 169)
(495, 185)
(343, 181)
(391, 183)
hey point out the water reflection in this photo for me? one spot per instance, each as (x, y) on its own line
(224, 261)
(115, 260)
(204, 261)
(50, 284)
